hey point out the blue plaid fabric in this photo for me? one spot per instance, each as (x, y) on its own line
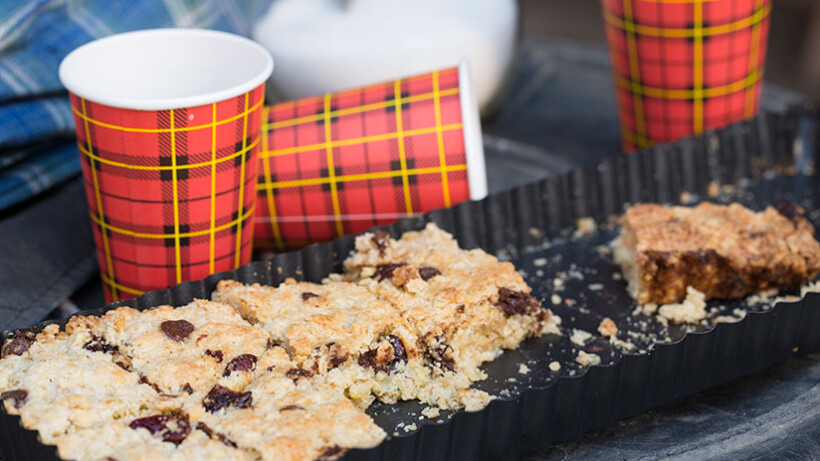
(35, 35)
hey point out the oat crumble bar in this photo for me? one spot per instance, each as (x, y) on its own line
(722, 251)
(173, 384)
(270, 373)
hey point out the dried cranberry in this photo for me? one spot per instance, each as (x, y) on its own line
(427, 273)
(381, 239)
(386, 271)
(178, 330)
(789, 210)
(307, 295)
(244, 362)
(217, 354)
(516, 302)
(215, 435)
(187, 388)
(18, 343)
(296, 373)
(172, 429)
(331, 452)
(20, 396)
(221, 397)
(291, 408)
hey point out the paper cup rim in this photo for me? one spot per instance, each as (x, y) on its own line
(471, 129)
(78, 84)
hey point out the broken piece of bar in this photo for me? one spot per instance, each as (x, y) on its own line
(723, 251)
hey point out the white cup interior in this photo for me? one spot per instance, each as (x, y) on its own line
(162, 69)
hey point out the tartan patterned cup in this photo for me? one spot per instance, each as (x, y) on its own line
(341, 163)
(168, 127)
(684, 66)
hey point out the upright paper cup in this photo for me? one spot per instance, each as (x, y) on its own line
(168, 127)
(685, 66)
(341, 163)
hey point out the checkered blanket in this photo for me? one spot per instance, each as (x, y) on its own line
(36, 150)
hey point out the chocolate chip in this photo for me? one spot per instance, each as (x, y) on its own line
(221, 397)
(384, 362)
(172, 429)
(18, 343)
(244, 362)
(386, 271)
(330, 453)
(215, 435)
(439, 354)
(20, 396)
(187, 388)
(178, 330)
(460, 308)
(381, 239)
(97, 344)
(516, 302)
(307, 295)
(291, 408)
(427, 273)
(217, 354)
(296, 373)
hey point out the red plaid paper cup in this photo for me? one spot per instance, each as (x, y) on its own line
(684, 66)
(168, 128)
(341, 163)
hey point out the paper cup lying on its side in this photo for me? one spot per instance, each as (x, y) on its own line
(341, 163)
(168, 127)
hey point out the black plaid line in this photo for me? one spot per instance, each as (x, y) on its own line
(245, 155)
(182, 173)
(92, 161)
(703, 38)
(321, 114)
(234, 217)
(169, 241)
(184, 229)
(692, 98)
(166, 175)
(392, 107)
(395, 165)
(325, 173)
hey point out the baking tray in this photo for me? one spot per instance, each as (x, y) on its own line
(767, 160)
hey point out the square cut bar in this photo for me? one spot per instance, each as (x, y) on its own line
(465, 306)
(193, 382)
(723, 251)
(357, 342)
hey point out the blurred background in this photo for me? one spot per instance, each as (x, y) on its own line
(793, 59)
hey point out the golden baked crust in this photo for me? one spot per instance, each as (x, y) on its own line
(313, 320)
(721, 251)
(465, 306)
(173, 384)
(275, 373)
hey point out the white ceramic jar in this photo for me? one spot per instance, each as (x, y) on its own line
(329, 45)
